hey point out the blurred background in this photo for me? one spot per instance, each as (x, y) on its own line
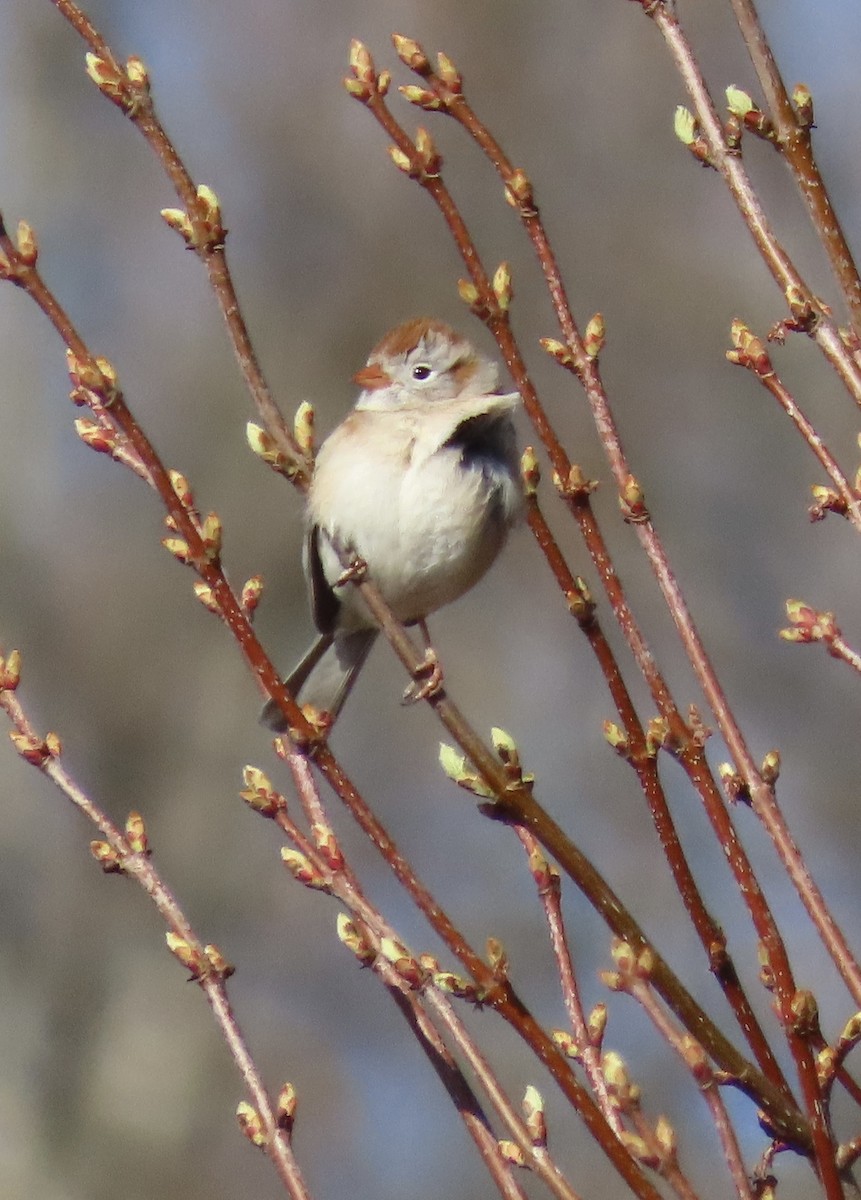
(112, 1067)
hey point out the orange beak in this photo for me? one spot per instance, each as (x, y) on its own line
(371, 377)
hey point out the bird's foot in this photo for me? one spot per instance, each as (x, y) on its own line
(427, 679)
(355, 573)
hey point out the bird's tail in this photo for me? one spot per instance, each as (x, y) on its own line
(325, 676)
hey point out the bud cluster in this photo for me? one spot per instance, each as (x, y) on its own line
(202, 962)
(127, 87)
(365, 84)
(749, 350)
(809, 625)
(201, 227)
(424, 162)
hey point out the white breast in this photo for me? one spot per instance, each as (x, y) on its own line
(427, 523)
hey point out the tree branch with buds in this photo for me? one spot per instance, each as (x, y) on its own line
(781, 1059)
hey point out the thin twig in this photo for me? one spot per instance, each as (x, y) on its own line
(341, 881)
(820, 327)
(849, 498)
(138, 865)
(547, 881)
(137, 105)
(644, 763)
(422, 163)
(750, 351)
(795, 144)
(695, 1060)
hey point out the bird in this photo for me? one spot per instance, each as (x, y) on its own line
(420, 484)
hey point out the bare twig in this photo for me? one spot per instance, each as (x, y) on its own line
(794, 288)
(128, 87)
(422, 977)
(421, 161)
(793, 139)
(547, 881)
(643, 760)
(750, 351)
(632, 977)
(128, 853)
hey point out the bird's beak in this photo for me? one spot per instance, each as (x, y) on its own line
(372, 377)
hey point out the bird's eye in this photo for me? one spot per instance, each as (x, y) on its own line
(421, 371)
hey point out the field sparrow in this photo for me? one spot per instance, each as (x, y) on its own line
(422, 482)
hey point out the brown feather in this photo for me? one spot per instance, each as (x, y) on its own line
(463, 371)
(406, 337)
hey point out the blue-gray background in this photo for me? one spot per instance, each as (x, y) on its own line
(112, 1070)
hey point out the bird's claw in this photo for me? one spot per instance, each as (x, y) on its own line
(355, 573)
(427, 679)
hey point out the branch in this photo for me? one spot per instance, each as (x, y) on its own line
(793, 139)
(128, 853)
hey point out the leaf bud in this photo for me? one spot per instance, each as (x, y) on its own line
(502, 286)
(421, 97)
(285, 1110)
(10, 671)
(136, 834)
(28, 249)
(449, 73)
(303, 427)
(251, 1124)
(411, 54)
(594, 336)
(530, 471)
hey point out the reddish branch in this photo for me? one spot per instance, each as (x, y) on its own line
(128, 87)
(491, 771)
(421, 161)
(130, 855)
(645, 764)
(750, 351)
(793, 140)
(730, 165)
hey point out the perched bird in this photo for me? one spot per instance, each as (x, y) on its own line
(421, 481)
